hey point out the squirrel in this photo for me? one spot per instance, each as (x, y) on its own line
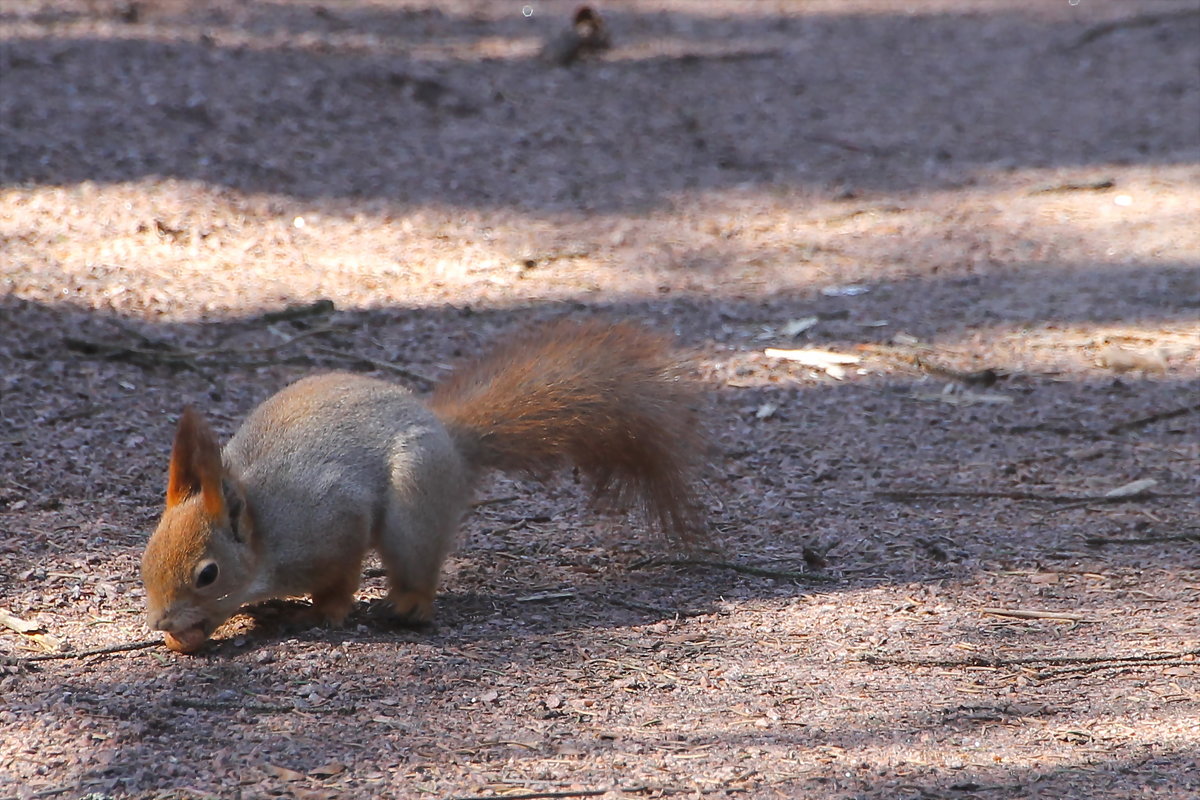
(338, 464)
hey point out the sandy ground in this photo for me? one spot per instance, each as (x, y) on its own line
(918, 587)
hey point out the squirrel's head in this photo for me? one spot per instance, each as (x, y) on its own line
(200, 559)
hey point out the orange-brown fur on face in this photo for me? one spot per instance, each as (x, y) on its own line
(195, 529)
(608, 399)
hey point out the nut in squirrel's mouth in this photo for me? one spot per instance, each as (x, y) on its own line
(188, 640)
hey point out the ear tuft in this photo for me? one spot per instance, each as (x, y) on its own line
(235, 504)
(195, 464)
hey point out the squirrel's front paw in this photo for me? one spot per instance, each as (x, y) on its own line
(330, 613)
(412, 606)
(333, 603)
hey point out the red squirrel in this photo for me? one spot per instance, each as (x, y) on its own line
(335, 465)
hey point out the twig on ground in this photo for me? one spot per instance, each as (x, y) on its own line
(99, 651)
(86, 410)
(1025, 613)
(1101, 541)
(1057, 428)
(188, 358)
(1137, 21)
(745, 569)
(843, 144)
(980, 378)
(633, 605)
(542, 597)
(174, 355)
(121, 352)
(724, 56)
(492, 501)
(1150, 419)
(1087, 669)
(44, 793)
(535, 795)
(424, 381)
(313, 309)
(925, 494)
(266, 348)
(983, 661)
(258, 708)
(1095, 186)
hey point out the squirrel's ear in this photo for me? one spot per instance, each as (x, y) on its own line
(195, 464)
(235, 505)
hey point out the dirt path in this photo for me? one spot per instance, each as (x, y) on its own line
(1011, 185)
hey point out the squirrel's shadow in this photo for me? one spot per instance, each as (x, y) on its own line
(461, 616)
(273, 621)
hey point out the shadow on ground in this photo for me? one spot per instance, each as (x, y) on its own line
(800, 488)
(429, 107)
(194, 711)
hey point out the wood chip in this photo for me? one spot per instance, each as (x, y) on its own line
(285, 774)
(1133, 489)
(813, 358)
(1120, 360)
(17, 624)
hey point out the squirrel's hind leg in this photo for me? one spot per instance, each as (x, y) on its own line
(429, 489)
(413, 568)
(412, 550)
(412, 605)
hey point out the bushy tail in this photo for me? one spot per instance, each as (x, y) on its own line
(610, 399)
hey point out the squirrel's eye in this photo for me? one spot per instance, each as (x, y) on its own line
(207, 575)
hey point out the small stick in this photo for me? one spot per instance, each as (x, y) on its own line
(491, 501)
(747, 569)
(835, 141)
(115, 350)
(535, 795)
(633, 605)
(46, 792)
(313, 309)
(1138, 21)
(981, 661)
(1055, 428)
(1084, 670)
(404, 372)
(920, 494)
(982, 378)
(1101, 541)
(79, 413)
(99, 651)
(542, 597)
(1095, 186)
(1152, 418)
(260, 708)
(1024, 613)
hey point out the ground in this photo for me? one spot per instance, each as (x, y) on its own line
(917, 585)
